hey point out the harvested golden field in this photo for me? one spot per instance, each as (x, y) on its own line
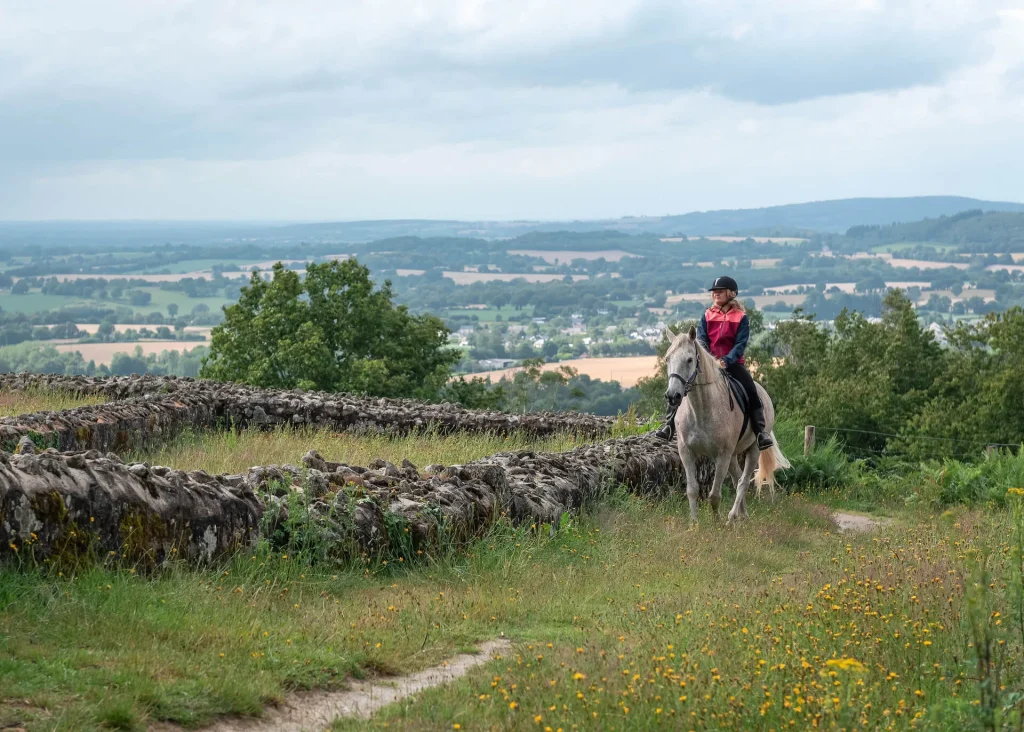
(104, 352)
(688, 297)
(565, 257)
(965, 294)
(93, 328)
(626, 370)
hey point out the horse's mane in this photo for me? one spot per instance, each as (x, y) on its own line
(705, 354)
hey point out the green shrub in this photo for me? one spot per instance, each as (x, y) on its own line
(826, 468)
(955, 482)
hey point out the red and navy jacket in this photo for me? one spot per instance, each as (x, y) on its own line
(724, 334)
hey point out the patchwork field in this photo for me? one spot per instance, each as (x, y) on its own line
(626, 370)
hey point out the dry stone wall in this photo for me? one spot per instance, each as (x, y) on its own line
(71, 506)
(150, 408)
(54, 504)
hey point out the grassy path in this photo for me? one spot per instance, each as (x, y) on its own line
(623, 620)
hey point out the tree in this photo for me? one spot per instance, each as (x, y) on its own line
(139, 298)
(332, 331)
(172, 310)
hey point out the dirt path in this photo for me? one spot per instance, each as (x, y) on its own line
(856, 523)
(317, 709)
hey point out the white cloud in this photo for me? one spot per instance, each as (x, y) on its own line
(217, 109)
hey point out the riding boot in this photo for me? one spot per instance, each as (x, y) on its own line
(764, 438)
(667, 431)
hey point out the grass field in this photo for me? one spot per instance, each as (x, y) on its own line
(903, 246)
(25, 402)
(35, 302)
(624, 620)
(237, 451)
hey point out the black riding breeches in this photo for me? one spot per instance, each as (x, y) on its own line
(739, 372)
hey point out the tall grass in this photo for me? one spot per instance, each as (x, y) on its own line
(15, 403)
(235, 451)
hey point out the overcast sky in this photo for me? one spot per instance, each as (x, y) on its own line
(337, 109)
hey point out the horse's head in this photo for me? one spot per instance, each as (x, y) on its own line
(683, 363)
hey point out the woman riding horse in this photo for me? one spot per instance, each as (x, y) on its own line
(724, 330)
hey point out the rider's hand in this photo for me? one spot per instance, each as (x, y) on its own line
(721, 362)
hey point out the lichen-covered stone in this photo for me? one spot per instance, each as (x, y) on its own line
(71, 506)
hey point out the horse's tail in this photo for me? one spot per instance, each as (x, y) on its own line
(767, 463)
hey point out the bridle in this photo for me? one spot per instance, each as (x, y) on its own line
(688, 384)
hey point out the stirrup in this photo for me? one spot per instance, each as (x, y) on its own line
(665, 432)
(764, 441)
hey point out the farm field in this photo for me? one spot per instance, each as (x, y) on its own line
(93, 328)
(104, 352)
(37, 302)
(468, 278)
(762, 301)
(627, 370)
(926, 264)
(566, 256)
(622, 619)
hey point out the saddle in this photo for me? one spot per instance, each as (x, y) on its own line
(738, 395)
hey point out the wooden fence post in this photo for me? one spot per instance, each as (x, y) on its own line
(808, 440)
(990, 450)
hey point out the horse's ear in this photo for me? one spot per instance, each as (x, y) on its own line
(693, 333)
(670, 335)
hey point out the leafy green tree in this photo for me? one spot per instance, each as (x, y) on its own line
(862, 376)
(331, 331)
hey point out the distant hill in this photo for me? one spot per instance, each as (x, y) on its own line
(827, 216)
(834, 216)
(795, 219)
(971, 231)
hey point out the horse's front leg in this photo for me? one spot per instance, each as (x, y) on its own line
(722, 463)
(692, 485)
(739, 506)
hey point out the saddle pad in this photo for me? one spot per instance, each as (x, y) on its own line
(739, 395)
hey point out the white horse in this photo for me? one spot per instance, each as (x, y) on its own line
(708, 424)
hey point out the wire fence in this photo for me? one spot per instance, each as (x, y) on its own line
(964, 448)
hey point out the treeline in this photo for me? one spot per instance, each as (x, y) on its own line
(47, 359)
(887, 388)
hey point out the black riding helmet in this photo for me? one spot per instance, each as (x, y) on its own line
(724, 283)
